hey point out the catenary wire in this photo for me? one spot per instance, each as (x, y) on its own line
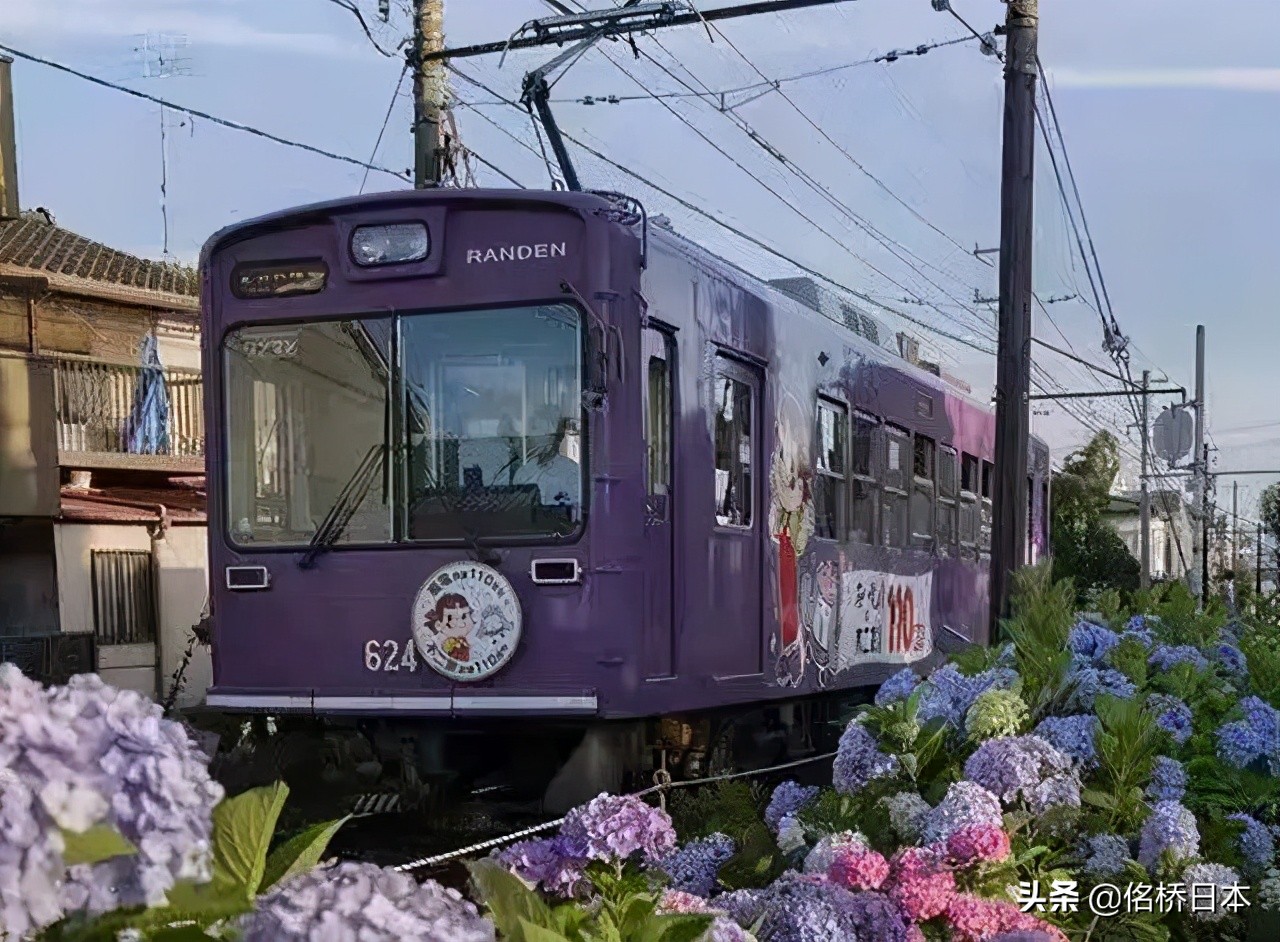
(395, 95)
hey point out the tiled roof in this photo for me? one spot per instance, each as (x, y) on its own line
(183, 500)
(33, 242)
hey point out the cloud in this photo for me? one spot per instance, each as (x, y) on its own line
(82, 21)
(1224, 79)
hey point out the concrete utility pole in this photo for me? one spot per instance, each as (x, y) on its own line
(1258, 584)
(8, 146)
(1200, 465)
(1013, 361)
(1144, 510)
(1235, 526)
(429, 91)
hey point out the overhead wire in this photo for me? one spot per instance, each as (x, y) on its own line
(395, 95)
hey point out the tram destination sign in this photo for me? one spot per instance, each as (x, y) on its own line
(252, 280)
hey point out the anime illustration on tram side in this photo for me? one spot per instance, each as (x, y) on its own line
(490, 453)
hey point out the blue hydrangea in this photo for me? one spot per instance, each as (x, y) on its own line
(1232, 660)
(859, 761)
(947, 694)
(1257, 844)
(898, 687)
(1168, 780)
(1015, 766)
(695, 867)
(1073, 735)
(966, 804)
(1089, 683)
(1166, 657)
(1058, 791)
(1170, 827)
(796, 908)
(1141, 628)
(1090, 643)
(788, 798)
(1107, 855)
(1256, 738)
(1172, 715)
(1204, 874)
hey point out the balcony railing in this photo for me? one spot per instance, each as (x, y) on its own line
(95, 416)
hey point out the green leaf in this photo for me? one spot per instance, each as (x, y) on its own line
(1099, 799)
(531, 932)
(300, 853)
(242, 829)
(101, 842)
(678, 927)
(509, 901)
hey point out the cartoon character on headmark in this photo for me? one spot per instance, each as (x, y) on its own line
(453, 622)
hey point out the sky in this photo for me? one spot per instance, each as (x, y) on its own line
(1170, 111)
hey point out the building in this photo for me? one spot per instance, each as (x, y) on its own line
(1171, 530)
(102, 508)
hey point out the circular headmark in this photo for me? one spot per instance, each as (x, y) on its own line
(466, 621)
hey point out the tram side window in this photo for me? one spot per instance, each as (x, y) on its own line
(948, 488)
(988, 482)
(829, 493)
(864, 494)
(657, 431)
(970, 470)
(924, 473)
(893, 505)
(733, 451)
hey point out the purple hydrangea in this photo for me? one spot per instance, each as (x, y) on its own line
(1140, 628)
(1107, 855)
(746, 907)
(966, 804)
(1172, 715)
(859, 761)
(810, 909)
(898, 687)
(1090, 643)
(1206, 874)
(1073, 735)
(724, 929)
(363, 901)
(694, 867)
(1057, 791)
(1014, 766)
(947, 694)
(1090, 683)
(1170, 827)
(1025, 935)
(1166, 657)
(824, 852)
(1168, 780)
(83, 755)
(1257, 845)
(787, 799)
(551, 863)
(1232, 659)
(618, 826)
(1256, 738)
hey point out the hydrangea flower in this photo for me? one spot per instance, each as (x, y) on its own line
(1089, 683)
(920, 882)
(1168, 780)
(1170, 827)
(695, 866)
(1139, 629)
(995, 713)
(618, 826)
(1268, 894)
(1090, 643)
(363, 901)
(1073, 735)
(791, 834)
(787, 799)
(1257, 844)
(948, 694)
(87, 754)
(745, 907)
(798, 909)
(1172, 715)
(907, 811)
(1232, 659)
(723, 929)
(898, 687)
(978, 843)
(824, 852)
(973, 919)
(859, 761)
(966, 803)
(1012, 767)
(1166, 657)
(1058, 791)
(876, 916)
(550, 863)
(1108, 854)
(1205, 874)
(1254, 738)
(857, 869)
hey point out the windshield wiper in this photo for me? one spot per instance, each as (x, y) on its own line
(486, 557)
(345, 506)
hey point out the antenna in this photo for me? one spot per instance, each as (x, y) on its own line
(158, 54)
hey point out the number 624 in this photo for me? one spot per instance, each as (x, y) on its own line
(387, 656)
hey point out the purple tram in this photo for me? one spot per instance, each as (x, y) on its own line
(480, 455)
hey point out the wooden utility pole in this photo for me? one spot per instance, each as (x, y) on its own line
(8, 144)
(1013, 362)
(429, 91)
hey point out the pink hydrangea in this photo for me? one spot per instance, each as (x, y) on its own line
(978, 843)
(677, 901)
(920, 883)
(973, 919)
(858, 869)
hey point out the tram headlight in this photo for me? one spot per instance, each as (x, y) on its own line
(390, 245)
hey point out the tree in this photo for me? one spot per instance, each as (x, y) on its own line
(1085, 549)
(1270, 510)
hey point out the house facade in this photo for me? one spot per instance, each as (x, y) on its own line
(1171, 530)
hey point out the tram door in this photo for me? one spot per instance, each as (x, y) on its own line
(736, 541)
(659, 526)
